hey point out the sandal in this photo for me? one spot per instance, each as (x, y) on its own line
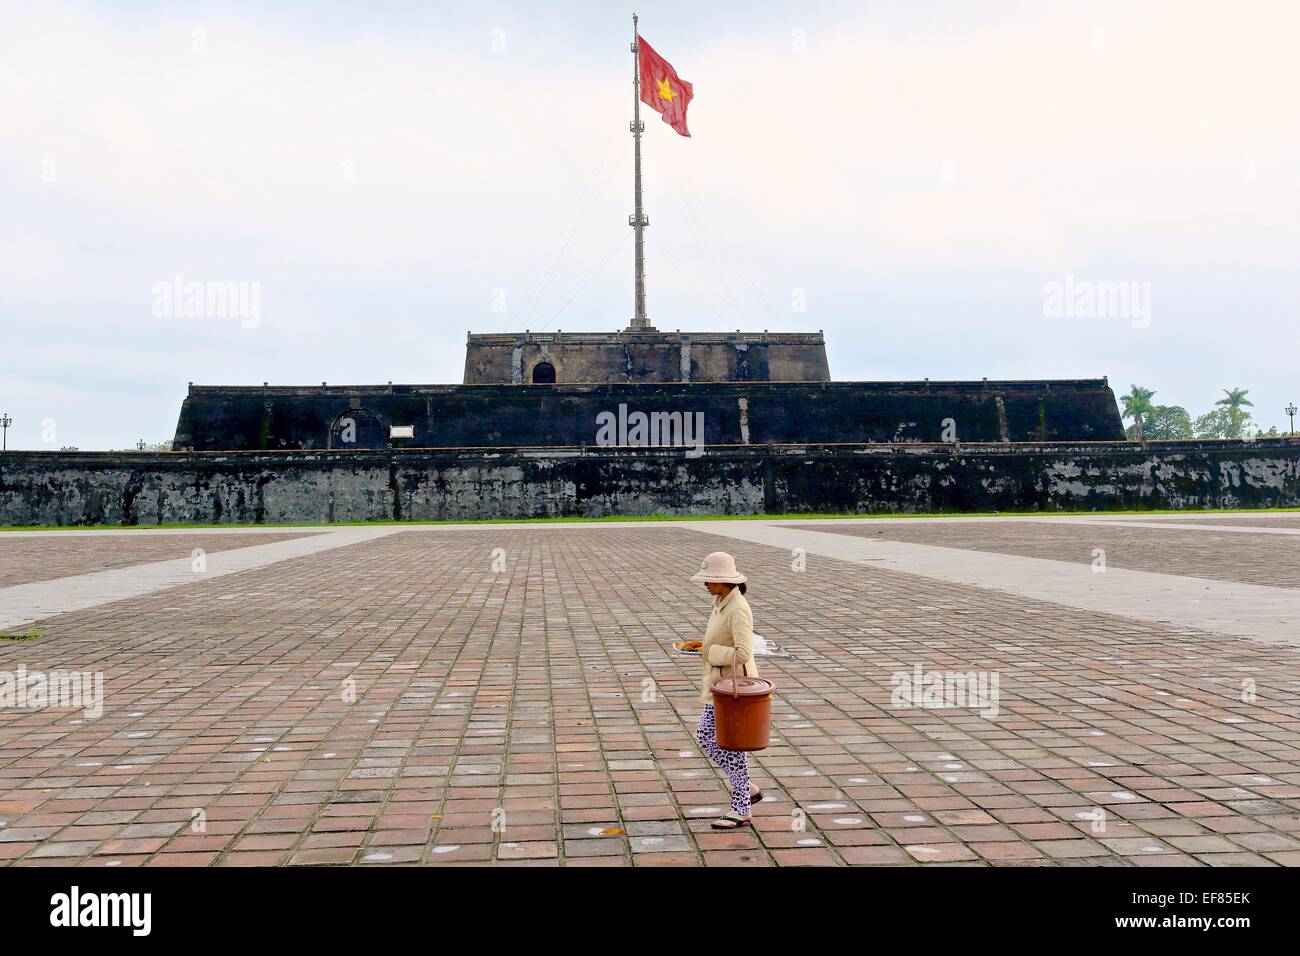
(754, 797)
(730, 823)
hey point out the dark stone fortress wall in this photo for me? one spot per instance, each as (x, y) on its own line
(586, 358)
(242, 418)
(54, 488)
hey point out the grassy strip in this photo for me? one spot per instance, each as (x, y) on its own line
(31, 635)
(817, 516)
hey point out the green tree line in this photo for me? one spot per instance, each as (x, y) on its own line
(1229, 418)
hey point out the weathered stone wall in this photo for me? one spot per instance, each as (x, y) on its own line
(222, 418)
(53, 488)
(589, 358)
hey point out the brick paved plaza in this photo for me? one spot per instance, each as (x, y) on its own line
(509, 694)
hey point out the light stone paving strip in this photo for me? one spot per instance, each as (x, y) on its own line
(25, 559)
(1229, 528)
(1262, 559)
(1277, 517)
(1245, 610)
(1263, 521)
(24, 604)
(145, 530)
(1280, 519)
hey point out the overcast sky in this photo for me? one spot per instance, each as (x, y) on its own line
(916, 177)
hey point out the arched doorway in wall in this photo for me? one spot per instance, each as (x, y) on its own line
(543, 373)
(358, 428)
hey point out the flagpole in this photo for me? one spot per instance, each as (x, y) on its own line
(638, 220)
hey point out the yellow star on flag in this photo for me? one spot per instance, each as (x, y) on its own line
(661, 88)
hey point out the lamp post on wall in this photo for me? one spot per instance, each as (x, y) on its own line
(1290, 411)
(139, 446)
(5, 422)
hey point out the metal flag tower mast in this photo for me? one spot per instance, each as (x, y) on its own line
(638, 220)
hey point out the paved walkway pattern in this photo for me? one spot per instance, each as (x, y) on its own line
(509, 695)
(28, 557)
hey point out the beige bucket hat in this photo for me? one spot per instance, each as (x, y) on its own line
(719, 568)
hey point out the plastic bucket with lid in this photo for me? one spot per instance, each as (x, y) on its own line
(742, 711)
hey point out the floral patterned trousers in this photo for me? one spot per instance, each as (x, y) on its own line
(735, 763)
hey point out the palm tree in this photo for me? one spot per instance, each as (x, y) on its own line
(1137, 405)
(1235, 399)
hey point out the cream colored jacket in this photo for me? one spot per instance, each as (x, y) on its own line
(730, 633)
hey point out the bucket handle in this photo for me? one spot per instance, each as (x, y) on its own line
(735, 688)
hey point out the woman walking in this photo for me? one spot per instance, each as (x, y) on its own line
(728, 637)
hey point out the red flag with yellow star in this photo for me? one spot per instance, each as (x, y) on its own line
(662, 89)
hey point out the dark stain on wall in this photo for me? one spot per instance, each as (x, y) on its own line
(649, 357)
(56, 488)
(236, 418)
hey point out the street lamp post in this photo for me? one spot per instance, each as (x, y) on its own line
(140, 445)
(1290, 411)
(5, 422)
